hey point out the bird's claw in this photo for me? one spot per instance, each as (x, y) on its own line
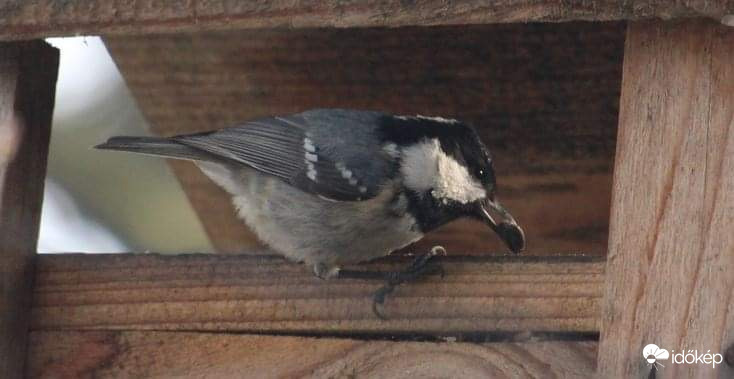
(419, 267)
(378, 300)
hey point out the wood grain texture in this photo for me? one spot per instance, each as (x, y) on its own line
(128, 354)
(670, 267)
(46, 18)
(544, 98)
(267, 294)
(27, 83)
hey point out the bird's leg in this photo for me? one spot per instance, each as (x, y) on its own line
(419, 267)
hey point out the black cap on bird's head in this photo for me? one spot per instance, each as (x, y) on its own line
(451, 171)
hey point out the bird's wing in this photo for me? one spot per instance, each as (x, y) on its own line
(331, 153)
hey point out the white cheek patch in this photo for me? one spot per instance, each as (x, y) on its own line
(455, 182)
(419, 167)
(425, 166)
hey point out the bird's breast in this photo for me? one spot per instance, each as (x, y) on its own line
(305, 227)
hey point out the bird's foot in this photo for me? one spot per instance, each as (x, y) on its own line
(421, 266)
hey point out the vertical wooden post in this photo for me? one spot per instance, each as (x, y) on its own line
(27, 82)
(670, 270)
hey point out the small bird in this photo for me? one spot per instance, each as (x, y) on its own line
(334, 187)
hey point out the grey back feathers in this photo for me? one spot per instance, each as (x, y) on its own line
(161, 147)
(330, 153)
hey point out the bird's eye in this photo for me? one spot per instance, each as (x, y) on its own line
(481, 173)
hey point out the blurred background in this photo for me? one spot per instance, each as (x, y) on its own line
(98, 201)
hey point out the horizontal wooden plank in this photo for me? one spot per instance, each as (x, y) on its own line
(126, 354)
(543, 98)
(268, 294)
(21, 19)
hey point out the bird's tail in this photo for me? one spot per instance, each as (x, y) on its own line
(162, 147)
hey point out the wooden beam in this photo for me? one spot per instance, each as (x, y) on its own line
(21, 19)
(27, 82)
(266, 294)
(131, 354)
(547, 93)
(670, 272)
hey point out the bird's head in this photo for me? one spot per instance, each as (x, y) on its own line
(487, 207)
(452, 175)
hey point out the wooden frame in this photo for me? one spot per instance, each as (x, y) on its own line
(138, 354)
(27, 82)
(671, 253)
(668, 276)
(23, 20)
(265, 294)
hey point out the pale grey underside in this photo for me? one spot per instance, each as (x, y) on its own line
(317, 231)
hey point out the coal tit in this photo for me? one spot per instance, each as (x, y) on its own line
(333, 187)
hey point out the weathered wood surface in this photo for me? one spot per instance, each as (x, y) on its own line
(544, 98)
(267, 294)
(27, 82)
(21, 19)
(130, 354)
(670, 271)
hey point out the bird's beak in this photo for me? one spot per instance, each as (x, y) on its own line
(507, 229)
